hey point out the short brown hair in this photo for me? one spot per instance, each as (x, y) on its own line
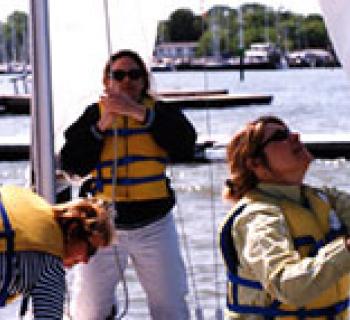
(245, 145)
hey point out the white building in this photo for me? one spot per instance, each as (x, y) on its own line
(175, 50)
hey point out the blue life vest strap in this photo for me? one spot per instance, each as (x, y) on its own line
(301, 313)
(227, 247)
(269, 312)
(317, 245)
(128, 160)
(9, 235)
(125, 132)
(100, 182)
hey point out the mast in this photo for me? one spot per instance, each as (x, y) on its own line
(42, 119)
(241, 43)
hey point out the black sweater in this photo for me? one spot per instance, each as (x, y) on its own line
(81, 152)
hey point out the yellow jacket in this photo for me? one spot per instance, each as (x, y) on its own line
(285, 256)
(32, 221)
(140, 162)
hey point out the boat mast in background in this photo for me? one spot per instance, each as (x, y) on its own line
(42, 119)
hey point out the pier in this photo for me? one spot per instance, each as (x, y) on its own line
(14, 149)
(322, 146)
(214, 101)
(15, 104)
(20, 104)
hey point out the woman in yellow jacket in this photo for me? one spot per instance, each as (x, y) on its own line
(124, 142)
(38, 240)
(285, 244)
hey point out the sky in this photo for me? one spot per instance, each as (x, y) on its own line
(299, 6)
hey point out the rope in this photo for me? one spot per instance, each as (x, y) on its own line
(218, 310)
(190, 272)
(114, 174)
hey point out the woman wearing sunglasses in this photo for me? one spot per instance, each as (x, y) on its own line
(124, 142)
(37, 240)
(285, 244)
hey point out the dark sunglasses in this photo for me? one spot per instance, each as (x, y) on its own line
(119, 75)
(277, 136)
(91, 250)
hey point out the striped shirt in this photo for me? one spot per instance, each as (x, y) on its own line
(41, 277)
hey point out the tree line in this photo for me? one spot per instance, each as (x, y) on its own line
(14, 42)
(219, 29)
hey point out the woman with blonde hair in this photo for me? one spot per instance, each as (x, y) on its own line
(38, 240)
(285, 244)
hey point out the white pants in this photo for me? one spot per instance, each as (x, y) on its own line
(154, 251)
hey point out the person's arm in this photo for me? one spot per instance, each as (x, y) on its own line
(173, 132)
(340, 202)
(48, 293)
(265, 247)
(83, 143)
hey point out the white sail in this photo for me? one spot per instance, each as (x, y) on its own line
(80, 48)
(337, 16)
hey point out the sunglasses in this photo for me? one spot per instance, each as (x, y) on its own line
(277, 136)
(119, 75)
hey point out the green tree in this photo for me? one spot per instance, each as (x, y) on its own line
(16, 36)
(313, 32)
(183, 26)
(219, 28)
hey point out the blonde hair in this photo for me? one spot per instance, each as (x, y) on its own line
(245, 144)
(89, 216)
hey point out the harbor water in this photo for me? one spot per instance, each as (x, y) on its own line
(309, 100)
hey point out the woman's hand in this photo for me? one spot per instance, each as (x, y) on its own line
(119, 103)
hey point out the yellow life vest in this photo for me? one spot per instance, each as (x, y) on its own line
(309, 236)
(140, 162)
(32, 220)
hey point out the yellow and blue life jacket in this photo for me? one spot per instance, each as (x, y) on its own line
(27, 224)
(309, 237)
(140, 164)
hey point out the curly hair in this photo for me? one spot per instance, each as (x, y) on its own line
(245, 144)
(89, 216)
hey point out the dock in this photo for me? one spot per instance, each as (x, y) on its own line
(14, 149)
(214, 101)
(322, 146)
(15, 104)
(208, 99)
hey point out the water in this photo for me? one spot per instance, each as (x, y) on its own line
(310, 101)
